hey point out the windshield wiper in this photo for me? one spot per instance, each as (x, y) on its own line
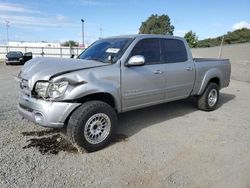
(96, 59)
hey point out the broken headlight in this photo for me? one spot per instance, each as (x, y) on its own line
(58, 89)
(41, 89)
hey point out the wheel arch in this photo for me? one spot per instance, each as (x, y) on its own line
(215, 80)
(214, 76)
(100, 96)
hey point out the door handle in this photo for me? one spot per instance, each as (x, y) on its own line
(158, 72)
(189, 68)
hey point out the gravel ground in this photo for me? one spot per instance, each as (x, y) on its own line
(169, 145)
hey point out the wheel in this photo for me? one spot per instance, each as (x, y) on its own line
(91, 125)
(209, 99)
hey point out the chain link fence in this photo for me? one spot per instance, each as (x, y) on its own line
(62, 52)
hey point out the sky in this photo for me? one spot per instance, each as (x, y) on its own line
(60, 20)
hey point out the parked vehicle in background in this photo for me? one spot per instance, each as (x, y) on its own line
(116, 75)
(17, 58)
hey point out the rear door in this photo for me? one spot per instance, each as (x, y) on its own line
(144, 85)
(180, 71)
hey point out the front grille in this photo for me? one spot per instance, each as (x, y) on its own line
(13, 59)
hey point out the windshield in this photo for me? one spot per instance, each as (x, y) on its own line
(106, 50)
(13, 54)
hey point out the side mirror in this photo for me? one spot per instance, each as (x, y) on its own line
(72, 56)
(136, 60)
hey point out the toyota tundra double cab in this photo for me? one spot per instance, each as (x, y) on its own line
(112, 76)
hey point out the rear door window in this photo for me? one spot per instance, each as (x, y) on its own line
(174, 51)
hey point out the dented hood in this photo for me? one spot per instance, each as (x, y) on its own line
(43, 68)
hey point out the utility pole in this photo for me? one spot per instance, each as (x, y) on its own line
(82, 20)
(7, 31)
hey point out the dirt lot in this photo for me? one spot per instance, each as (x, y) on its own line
(169, 145)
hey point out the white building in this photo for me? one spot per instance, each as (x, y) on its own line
(34, 44)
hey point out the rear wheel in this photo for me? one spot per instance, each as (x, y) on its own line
(91, 125)
(209, 99)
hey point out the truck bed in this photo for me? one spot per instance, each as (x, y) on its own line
(208, 59)
(205, 67)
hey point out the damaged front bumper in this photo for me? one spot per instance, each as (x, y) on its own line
(45, 113)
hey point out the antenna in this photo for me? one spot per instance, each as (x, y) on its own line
(221, 45)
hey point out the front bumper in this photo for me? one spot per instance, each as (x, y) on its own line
(45, 113)
(13, 62)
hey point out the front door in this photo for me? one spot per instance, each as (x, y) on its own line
(144, 85)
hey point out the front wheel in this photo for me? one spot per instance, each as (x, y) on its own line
(209, 99)
(91, 125)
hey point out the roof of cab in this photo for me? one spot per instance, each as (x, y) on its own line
(140, 36)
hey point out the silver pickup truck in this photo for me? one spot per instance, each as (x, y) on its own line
(115, 75)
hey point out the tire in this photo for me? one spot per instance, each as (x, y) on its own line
(209, 99)
(91, 125)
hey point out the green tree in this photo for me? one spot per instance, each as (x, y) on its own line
(70, 43)
(191, 38)
(157, 25)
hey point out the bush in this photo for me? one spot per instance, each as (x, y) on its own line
(237, 36)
